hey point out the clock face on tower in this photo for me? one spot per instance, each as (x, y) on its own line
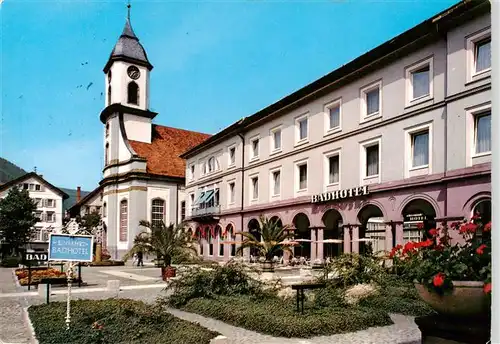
(133, 72)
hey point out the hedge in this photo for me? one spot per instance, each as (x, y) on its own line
(279, 318)
(113, 321)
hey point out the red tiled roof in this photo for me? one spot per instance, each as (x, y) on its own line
(167, 144)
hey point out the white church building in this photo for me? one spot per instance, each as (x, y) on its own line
(143, 174)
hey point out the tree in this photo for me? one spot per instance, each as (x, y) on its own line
(163, 242)
(17, 219)
(275, 239)
(90, 222)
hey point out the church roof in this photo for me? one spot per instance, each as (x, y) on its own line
(163, 153)
(128, 48)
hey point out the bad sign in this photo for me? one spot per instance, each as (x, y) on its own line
(36, 257)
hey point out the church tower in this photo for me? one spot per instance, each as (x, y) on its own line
(127, 121)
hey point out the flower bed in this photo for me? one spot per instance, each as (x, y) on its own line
(55, 275)
(113, 321)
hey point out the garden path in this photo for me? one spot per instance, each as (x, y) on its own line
(403, 331)
(13, 325)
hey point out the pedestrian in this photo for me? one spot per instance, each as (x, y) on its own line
(134, 259)
(139, 259)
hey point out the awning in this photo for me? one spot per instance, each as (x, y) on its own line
(208, 196)
(199, 198)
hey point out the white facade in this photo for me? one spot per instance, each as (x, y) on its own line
(49, 206)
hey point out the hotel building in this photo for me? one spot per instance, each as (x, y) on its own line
(397, 139)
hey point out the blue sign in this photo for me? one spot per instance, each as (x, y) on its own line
(71, 248)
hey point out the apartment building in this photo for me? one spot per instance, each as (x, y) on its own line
(374, 154)
(49, 200)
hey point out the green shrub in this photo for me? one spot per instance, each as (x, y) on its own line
(329, 297)
(230, 279)
(352, 268)
(279, 318)
(11, 262)
(113, 321)
(397, 304)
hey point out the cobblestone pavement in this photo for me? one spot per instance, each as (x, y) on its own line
(13, 328)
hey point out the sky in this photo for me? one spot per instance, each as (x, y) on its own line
(214, 63)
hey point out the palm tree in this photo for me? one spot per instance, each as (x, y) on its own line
(165, 243)
(275, 239)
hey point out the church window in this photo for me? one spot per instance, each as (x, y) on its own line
(123, 220)
(157, 212)
(109, 95)
(104, 210)
(107, 129)
(133, 93)
(106, 156)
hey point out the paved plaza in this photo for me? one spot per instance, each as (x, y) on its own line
(144, 283)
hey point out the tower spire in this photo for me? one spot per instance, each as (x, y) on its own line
(128, 10)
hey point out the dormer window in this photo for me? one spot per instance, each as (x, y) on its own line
(133, 93)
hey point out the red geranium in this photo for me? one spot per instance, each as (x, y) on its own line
(487, 288)
(433, 232)
(480, 249)
(487, 227)
(438, 280)
(468, 228)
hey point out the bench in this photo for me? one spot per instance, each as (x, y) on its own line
(300, 291)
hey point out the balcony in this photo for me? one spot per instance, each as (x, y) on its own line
(205, 213)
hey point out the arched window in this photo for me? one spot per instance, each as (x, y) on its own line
(210, 242)
(483, 210)
(106, 154)
(133, 93)
(107, 129)
(123, 220)
(109, 95)
(157, 212)
(104, 210)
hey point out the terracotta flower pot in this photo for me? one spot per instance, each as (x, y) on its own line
(167, 272)
(466, 299)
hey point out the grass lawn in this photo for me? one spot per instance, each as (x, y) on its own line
(113, 321)
(276, 317)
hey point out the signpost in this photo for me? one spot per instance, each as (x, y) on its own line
(70, 248)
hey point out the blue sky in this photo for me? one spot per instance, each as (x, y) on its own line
(215, 62)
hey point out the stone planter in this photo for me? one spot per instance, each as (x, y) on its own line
(467, 299)
(168, 272)
(267, 266)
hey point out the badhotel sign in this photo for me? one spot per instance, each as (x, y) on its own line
(340, 194)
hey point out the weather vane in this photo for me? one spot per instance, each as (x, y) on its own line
(128, 10)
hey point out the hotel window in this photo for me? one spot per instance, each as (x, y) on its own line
(183, 210)
(51, 216)
(419, 81)
(479, 53)
(375, 230)
(231, 192)
(38, 202)
(371, 159)
(483, 209)
(191, 200)
(255, 148)
(39, 215)
(275, 140)
(302, 128)
(482, 132)
(255, 187)
(232, 156)
(123, 220)
(37, 234)
(38, 187)
(50, 203)
(221, 240)
(334, 116)
(420, 149)
(276, 182)
(371, 97)
(334, 169)
(26, 186)
(302, 176)
(211, 165)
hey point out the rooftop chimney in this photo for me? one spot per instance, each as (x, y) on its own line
(78, 194)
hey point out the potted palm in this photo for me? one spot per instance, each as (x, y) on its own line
(165, 243)
(275, 240)
(453, 278)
